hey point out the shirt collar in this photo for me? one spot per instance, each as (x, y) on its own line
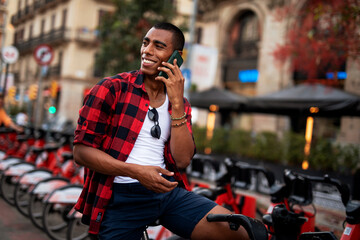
(138, 80)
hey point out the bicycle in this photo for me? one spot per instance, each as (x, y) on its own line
(351, 229)
(284, 221)
(237, 175)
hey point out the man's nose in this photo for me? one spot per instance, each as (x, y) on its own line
(149, 49)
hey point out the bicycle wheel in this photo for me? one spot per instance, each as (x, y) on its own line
(35, 209)
(7, 188)
(77, 230)
(22, 198)
(55, 220)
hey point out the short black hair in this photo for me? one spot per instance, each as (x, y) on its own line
(178, 36)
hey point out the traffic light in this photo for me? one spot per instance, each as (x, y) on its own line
(12, 93)
(54, 89)
(33, 91)
(52, 109)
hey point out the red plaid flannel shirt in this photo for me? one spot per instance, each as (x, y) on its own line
(110, 120)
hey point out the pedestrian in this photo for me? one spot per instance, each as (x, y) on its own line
(133, 135)
(5, 120)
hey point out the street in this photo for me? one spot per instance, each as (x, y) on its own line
(14, 226)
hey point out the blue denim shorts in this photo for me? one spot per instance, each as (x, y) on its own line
(133, 207)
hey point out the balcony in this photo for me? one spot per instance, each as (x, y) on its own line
(87, 37)
(43, 5)
(30, 10)
(54, 37)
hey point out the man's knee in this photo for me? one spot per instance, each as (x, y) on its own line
(217, 230)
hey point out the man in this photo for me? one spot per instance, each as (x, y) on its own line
(133, 134)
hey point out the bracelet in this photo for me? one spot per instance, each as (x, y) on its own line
(183, 116)
(179, 124)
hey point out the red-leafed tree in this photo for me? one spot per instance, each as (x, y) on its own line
(321, 35)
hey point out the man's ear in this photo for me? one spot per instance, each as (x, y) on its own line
(181, 52)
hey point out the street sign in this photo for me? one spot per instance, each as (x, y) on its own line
(9, 54)
(43, 54)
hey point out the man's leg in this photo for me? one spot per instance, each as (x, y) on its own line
(217, 230)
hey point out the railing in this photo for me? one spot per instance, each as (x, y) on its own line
(30, 10)
(53, 37)
(86, 35)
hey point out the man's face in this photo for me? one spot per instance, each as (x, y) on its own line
(156, 48)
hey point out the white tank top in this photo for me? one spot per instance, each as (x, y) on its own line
(147, 150)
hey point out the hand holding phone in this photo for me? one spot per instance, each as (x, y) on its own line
(175, 55)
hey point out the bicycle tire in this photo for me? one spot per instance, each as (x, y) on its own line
(35, 209)
(75, 226)
(22, 199)
(55, 220)
(7, 189)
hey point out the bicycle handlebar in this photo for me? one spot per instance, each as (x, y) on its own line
(342, 188)
(230, 163)
(254, 228)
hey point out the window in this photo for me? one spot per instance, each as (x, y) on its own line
(244, 35)
(31, 31)
(64, 16)
(53, 17)
(42, 28)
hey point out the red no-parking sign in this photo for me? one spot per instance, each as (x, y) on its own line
(43, 54)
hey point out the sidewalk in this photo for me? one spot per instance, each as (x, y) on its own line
(15, 226)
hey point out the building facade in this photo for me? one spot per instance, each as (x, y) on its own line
(245, 34)
(69, 27)
(238, 36)
(71, 33)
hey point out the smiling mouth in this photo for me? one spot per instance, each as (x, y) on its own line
(148, 61)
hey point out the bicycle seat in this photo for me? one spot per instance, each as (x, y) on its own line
(51, 147)
(353, 212)
(37, 149)
(67, 156)
(209, 193)
(22, 138)
(278, 192)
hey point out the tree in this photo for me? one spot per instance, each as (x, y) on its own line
(121, 32)
(322, 36)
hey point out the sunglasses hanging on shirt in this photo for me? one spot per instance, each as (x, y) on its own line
(155, 131)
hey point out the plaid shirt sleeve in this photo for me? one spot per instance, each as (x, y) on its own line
(94, 118)
(95, 115)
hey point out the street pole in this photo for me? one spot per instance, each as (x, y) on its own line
(5, 79)
(38, 107)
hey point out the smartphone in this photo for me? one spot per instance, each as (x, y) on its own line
(175, 55)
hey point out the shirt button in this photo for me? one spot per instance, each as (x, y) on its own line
(133, 138)
(141, 120)
(146, 104)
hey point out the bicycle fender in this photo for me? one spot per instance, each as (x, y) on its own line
(49, 185)
(35, 176)
(67, 194)
(8, 162)
(18, 169)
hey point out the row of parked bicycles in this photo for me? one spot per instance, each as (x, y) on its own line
(39, 177)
